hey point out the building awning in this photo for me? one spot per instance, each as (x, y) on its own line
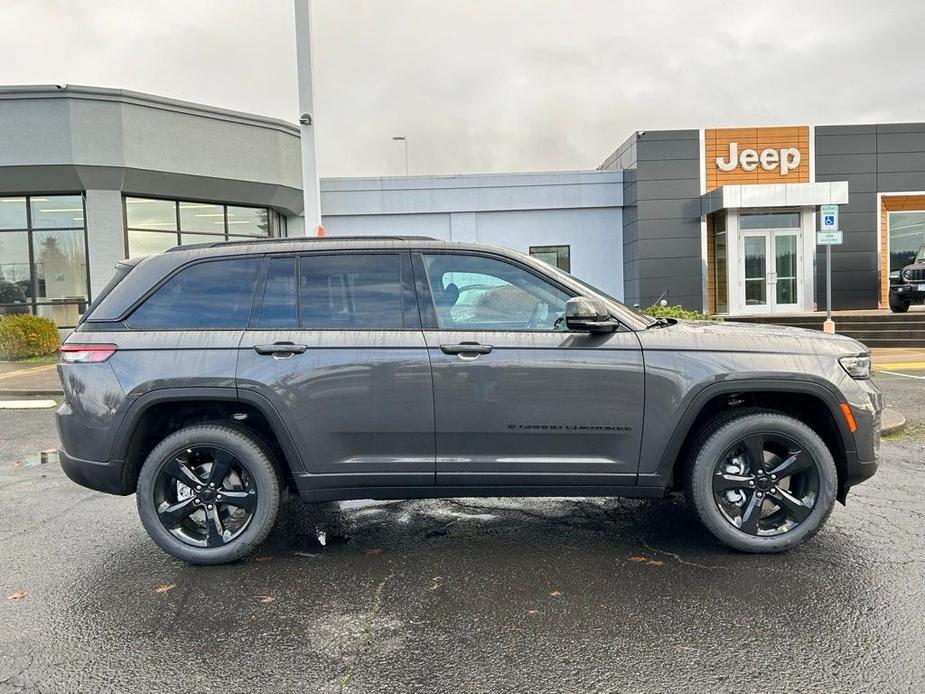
(774, 195)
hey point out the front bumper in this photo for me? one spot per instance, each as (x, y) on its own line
(909, 292)
(108, 476)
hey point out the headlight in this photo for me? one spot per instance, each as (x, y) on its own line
(857, 367)
(896, 276)
(907, 274)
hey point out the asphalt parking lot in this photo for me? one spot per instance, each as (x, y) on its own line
(532, 595)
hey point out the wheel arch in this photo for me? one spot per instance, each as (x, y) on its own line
(158, 413)
(811, 403)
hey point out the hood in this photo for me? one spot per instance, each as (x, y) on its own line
(749, 337)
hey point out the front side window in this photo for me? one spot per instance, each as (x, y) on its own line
(214, 295)
(351, 292)
(480, 293)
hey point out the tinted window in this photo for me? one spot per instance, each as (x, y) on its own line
(351, 291)
(479, 293)
(216, 294)
(279, 307)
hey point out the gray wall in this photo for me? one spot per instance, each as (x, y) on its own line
(579, 209)
(662, 234)
(872, 158)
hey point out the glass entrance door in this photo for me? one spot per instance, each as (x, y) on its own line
(769, 272)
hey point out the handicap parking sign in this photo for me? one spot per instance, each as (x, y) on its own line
(830, 220)
(829, 215)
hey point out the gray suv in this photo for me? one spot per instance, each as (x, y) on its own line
(213, 380)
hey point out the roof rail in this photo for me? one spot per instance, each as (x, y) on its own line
(303, 239)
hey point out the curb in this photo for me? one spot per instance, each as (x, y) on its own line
(891, 422)
(44, 392)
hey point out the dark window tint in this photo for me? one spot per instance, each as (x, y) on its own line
(362, 292)
(279, 309)
(216, 294)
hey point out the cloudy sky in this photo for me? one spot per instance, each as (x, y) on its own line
(489, 85)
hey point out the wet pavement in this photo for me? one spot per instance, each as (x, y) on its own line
(540, 595)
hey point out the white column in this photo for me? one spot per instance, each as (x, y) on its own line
(303, 43)
(105, 236)
(808, 224)
(733, 295)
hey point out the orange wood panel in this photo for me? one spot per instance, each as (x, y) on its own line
(717, 141)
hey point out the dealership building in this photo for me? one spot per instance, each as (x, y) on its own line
(721, 220)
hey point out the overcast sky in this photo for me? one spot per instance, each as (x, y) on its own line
(489, 85)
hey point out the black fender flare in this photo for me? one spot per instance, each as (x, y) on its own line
(144, 402)
(663, 475)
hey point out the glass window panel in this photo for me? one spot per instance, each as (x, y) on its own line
(217, 294)
(187, 239)
(478, 293)
(60, 264)
(279, 298)
(769, 220)
(57, 212)
(15, 276)
(907, 235)
(63, 314)
(149, 242)
(557, 256)
(785, 246)
(248, 221)
(755, 273)
(351, 291)
(200, 216)
(12, 213)
(145, 213)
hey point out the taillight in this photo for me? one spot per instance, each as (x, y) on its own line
(72, 353)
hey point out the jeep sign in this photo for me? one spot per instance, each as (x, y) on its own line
(785, 159)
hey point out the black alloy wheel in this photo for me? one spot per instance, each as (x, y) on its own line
(761, 481)
(205, 496)
(766, 484)
(209, 493)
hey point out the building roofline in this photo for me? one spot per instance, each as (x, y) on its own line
(90, 93)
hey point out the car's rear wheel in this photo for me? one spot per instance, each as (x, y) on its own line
(761, 482)
(898, 304)
(208, 494)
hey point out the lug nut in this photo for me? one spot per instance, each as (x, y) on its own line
(218, 496)
(198, 487)
(210, 507)
(759, 496)
(197, 501)
(751, 483)
(773, 477)
(212, 484)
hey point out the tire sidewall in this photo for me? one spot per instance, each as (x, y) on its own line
(700, 487)
(245, 448)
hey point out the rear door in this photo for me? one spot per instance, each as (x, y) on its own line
(335, 344)
(520, 400)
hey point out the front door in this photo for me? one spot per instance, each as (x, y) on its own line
(335, 345)
(770, 271)
(518, 399)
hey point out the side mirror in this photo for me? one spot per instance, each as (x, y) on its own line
(585, 314)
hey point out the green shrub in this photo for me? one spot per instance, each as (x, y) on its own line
(677, 312)
(24, 335)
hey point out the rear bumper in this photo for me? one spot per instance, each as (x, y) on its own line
(102, 476)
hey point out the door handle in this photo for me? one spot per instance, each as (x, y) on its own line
(466, 350)
(281, 349)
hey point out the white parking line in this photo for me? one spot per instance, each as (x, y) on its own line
(896, 373)
(26, 404)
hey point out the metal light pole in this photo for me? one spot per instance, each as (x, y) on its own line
(310, 189)
(404, 140)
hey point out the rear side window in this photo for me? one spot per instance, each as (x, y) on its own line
(278, 309)
(211, 295)
(351, 291)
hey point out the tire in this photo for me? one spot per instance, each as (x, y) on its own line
(898, 305)
(245, 500)
(725, 446)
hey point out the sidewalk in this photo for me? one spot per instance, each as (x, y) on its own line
(28, 378)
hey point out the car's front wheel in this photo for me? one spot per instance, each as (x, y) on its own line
(208, 494)
(762, 481)
(898, 304)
